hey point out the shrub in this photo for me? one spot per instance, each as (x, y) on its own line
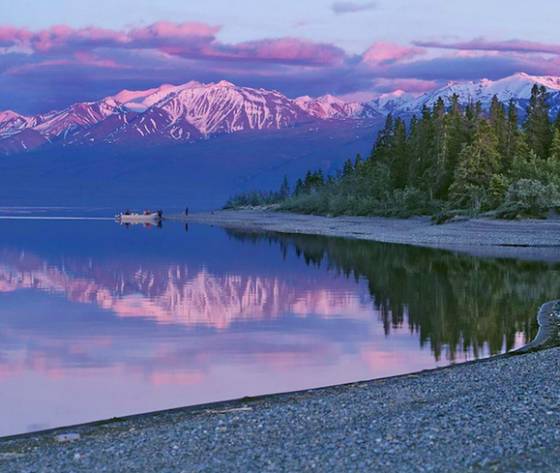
(529, 197)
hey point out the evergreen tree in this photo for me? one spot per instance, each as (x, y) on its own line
(399, 155)
(437, 172)
(299, 189)
(382, 148)
(499, 124)
(555, 146)
(478, 164)
(358, 162)
(537, 125)
(456, 138)
(512, 137)
(348, 168)
(284, 191)
(557, 122)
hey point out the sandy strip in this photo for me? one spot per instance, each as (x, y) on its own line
(526, 239)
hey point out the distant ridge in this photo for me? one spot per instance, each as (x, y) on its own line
(193, 111)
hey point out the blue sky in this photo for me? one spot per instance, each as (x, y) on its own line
(348, 47)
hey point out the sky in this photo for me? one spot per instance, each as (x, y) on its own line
(56, 52)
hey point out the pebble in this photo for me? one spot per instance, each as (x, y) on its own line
(67, 437)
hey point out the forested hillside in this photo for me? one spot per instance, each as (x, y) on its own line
(450, 160)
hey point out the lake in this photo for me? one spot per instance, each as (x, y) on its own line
(99, 320)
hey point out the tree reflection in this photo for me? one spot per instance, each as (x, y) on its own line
(455, 302)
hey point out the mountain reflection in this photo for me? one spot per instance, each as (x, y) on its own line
(172, 294)
(453, 301)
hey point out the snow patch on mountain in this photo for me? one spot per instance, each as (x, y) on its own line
(226, 108)
(141, 100)
(329, 107)
(391, 102)
(12, 123)
(516, 87)
(54, 124)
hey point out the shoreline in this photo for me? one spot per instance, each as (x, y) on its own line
(236, 403)
(525, 239)
(436, 418)
(548, 337)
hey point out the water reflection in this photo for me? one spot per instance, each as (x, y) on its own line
(455, 302)
(98, 321)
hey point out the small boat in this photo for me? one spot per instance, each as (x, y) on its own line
(147, 216)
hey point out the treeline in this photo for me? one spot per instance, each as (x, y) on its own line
(260, 198)
(451, 160)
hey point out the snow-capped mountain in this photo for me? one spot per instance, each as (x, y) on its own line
(226, 108)
(166, 113)
(12, 123)
(79, 115)
(141, 100)
(191, 111)
(328, 107)
(391, 102)
(516, 87)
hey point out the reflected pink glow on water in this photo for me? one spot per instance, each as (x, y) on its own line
(91, 334)
(225, 363)
(174, 295)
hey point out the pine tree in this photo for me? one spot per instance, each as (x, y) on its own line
(399, 156)
(358, 162)
(537, 126)
(421, 151)
(479, 162)
(499, 124)
(382, 148)
(347, 168)
(557, 122)
(512, 136)
(437, 173)
(456, 138)
(555, 146)
(298, 190)
(284, 190)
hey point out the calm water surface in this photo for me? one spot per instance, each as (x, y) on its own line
(97, 320)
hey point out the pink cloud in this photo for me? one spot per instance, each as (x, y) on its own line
(34, 66)
(165, 30)
(174, 52)
(383, 53)
(285, 50)
(89, 59)
(63, 38)
(191, 40)
(413, 86)
(481, 44)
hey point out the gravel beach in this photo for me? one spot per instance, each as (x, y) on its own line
(526, 239)
(500, 415)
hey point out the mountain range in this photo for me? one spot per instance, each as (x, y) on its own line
(197, 144)
(195, 111)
